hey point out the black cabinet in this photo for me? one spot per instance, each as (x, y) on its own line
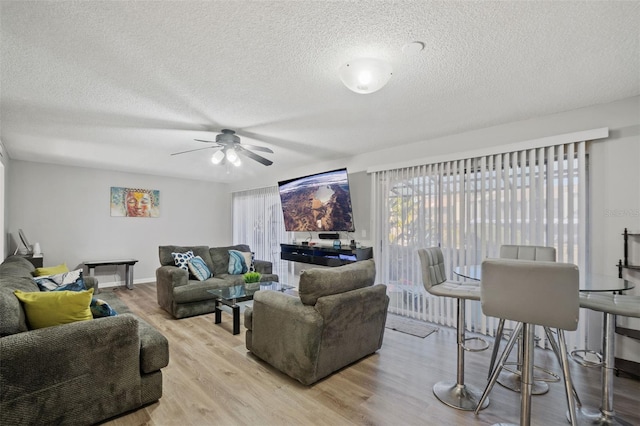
(36, 261)
(325, 256)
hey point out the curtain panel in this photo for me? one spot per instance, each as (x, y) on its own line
(469, 208)
(258, 222)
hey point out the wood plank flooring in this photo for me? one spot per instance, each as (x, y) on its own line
(212, 379)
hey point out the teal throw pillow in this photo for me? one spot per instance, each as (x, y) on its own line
(199, 268)
(182, 259)
(100, 309)
(239, 262)
(71, 281)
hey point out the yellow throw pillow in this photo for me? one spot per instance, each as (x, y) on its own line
(48, 308)
(51, 270)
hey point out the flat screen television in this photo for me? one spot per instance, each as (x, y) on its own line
(317, 203)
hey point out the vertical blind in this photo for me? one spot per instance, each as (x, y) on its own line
(258, 222)
(470, 207)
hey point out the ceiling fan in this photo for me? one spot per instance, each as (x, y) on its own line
(228, 147)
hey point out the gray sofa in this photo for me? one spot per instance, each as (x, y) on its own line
(184, 296)
(78, 373)
(338, 318)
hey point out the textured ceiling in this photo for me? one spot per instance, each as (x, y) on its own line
(121, 85)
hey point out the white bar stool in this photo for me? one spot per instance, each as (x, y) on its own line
(454, 394)
(611, 305)
(511, 379)
(532, 293)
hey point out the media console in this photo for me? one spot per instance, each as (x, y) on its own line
(325, 256)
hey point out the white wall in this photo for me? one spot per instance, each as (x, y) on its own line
(67, 210)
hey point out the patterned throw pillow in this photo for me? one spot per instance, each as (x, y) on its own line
(71, 281)
(199, 268)
(240, 262)
(182, 259)
(100, 309)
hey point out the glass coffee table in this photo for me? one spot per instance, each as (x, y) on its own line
(230, 296)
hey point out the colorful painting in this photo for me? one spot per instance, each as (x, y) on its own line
(135, 202)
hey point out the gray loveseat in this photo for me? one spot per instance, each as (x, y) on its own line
(78, 373)
(184, 296)
(338, 318)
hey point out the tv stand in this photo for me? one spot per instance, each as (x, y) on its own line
(325, 256)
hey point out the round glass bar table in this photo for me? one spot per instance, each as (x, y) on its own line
(588, 283)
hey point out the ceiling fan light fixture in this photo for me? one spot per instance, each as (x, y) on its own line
(232, 156)
(365, 75)
(217, 157)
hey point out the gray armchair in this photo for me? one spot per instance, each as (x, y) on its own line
(338, 318)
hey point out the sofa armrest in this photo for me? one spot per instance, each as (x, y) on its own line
(171, 276)
(91, 283)
(154, 348)
(101, 355)
(263, 266)
(167, 278)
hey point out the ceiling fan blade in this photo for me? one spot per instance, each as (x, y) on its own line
(191, 150)
(253, 156)
(258, 148)
(202, 140)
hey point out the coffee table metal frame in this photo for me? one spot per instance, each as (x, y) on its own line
(230, 296)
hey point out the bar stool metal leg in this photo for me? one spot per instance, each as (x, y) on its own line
(501, 361)
(459, 395)
(526, 384)
(606, 415)
(563, 360)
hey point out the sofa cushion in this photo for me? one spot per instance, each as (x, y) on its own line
(46, 309)
(317, 282)
(166, 259)
(15, 274)
(16, 266)
(199, 268)
(196, 291)
(220, 258)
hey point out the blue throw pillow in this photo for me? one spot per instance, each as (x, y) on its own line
(100, 308)
(71, 281)
(238, 262)
(199, 268)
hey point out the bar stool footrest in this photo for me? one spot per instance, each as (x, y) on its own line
(581, 357)
(479, 349)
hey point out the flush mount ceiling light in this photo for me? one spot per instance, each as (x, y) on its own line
(366, 75)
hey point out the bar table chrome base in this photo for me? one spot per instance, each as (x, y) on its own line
(462, 397)
(590, 416)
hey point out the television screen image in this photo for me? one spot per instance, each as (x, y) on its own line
(317, 203)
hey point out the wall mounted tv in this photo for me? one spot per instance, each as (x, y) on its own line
(317, 203)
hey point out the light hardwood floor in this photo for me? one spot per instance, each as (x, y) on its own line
(212, 379)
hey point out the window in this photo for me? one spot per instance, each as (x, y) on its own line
(470, 207)
(258, 222)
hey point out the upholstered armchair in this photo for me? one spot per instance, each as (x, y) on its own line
(337, 318)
